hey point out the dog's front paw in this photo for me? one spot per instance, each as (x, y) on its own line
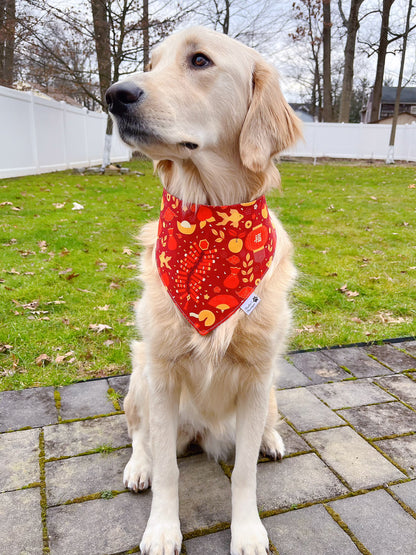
(137, 475)
(249, 538)
(272, 445)
(162, 538)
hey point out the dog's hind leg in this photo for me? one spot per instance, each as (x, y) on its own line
(272, 444)
(138, 472)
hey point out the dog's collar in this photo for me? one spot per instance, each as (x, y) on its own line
(211, 258)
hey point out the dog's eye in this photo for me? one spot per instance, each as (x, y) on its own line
(200, 60)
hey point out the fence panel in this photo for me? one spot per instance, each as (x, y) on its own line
(355, 140)
(41, 135)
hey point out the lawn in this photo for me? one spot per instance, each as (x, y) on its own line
(68, 277)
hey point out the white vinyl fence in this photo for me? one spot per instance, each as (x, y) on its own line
(355, 140)
(39, 135)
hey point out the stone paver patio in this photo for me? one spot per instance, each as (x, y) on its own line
(346, 485)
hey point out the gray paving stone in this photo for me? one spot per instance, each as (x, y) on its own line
(100, 526)
(318, 367)
(67, 440)
(295, 480)
(304, 410)
(401, 386)
(379, 523)
(19, 459)
(80, 476)
(403, 451)
(308, 531)
(407, 493)
(27, 408)
(21, 523)
(204, 494)
(213, 544)
(377, 421)
(359, 464)
(357, 361)
(350, 394)
(288, 375)
(81, 400)
(408, 346)
(393, 358)
(293, 442)
(121, 385)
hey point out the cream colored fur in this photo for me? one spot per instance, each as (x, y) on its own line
(218, 388)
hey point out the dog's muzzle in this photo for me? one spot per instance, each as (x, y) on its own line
(121, 96)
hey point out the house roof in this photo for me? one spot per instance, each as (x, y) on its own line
(407, 95)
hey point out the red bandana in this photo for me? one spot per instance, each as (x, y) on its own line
(211, 258)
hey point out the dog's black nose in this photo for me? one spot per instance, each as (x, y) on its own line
(122, 95)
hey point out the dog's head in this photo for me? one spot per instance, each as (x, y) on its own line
(204, 91)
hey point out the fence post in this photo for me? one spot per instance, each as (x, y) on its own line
(87, 150)
(64, 134)
(32, 131)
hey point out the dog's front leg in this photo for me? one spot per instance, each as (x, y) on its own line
(162, 535)
(248, 535)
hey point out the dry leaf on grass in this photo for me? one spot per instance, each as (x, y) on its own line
(43, 360)
(99, 327)
(63, 358)
(350, 294)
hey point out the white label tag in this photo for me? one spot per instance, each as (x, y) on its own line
(250, 304)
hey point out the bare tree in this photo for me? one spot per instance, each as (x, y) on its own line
(309, 15)
(352, 25)
(381, 59)
(390, 155)
(326, 43)
(7, 41)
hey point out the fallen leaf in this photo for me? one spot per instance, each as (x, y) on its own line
(357, 320)
(77, 206)
(127, 251)
(99, 327)
(59, 204)
(114, 285)
(105, 307)
(6, 203)
(5, 348)
(412, 186)
(62, 358)
(43, 360)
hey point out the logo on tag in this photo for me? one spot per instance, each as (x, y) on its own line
(250, 303)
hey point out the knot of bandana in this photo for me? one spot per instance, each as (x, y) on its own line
(211, 258)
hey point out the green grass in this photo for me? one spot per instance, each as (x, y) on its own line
(62, 271)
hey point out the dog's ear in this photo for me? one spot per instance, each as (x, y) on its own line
(270, 125)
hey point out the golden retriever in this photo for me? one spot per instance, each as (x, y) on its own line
(211, 115)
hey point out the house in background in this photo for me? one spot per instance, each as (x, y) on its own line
(407, 108)
(302, 111)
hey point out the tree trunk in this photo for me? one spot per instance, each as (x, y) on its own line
(349, 55)
(102, 44)
(381, 59)
(7, 41)
(102, 47)
(326, 40)
(226, 22)
(390, 154)
(146, 43)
